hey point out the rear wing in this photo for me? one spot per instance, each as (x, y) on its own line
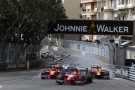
(95, 66)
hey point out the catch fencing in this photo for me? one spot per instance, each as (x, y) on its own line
(15, 56)
(87, 48)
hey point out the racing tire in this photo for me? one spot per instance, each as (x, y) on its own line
(107, 74)
(60, 77)
(42, 77)
(42, 73)
(89, 78)
(81, 78)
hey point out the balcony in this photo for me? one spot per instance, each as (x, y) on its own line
(131, 5)
(122, 6)
(100, 0)
(88, 1)
(108, 8)
(92, 12)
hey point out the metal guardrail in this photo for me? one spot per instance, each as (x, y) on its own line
(132, 73)
(111, 69)
(124, 72)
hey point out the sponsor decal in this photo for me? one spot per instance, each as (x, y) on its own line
(11, 66)
(15, 66)
(92, 26)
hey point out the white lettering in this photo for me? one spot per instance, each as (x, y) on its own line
(61, 28)
(11, 66)
(120, 29)
(57, 28)
(115, 29)
(126, 29)
(71, 28)
(100, 28)
(84, 28)
(78, 29)
(110, 29)
(67, 28)
(106, 29)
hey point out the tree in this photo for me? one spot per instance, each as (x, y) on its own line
(120, 16)
(26, 21)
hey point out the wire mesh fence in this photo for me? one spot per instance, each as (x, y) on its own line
(13, 56)
(17, 54)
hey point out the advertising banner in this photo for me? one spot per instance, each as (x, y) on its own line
(94, 27)
(130, 62)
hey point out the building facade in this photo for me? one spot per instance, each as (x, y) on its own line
(109, 10)
(120, 10)
(73, 10)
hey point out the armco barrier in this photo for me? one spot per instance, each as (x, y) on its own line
(118, 71)
(111, 69)
(132, 73)
(124, 72)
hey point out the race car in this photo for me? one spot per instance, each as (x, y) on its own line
(76, 76)
(45, 55)
(65, 65)
(99, 73)
(65, 54)
(57, 59)
(51, 73)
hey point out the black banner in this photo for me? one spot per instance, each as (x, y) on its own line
(94, 27)
(130, 62)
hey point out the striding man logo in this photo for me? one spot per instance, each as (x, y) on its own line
(92, 26)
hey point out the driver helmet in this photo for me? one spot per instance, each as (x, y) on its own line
(75, 72)
(65, 63)
(53, 68)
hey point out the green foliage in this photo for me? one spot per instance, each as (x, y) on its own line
(25, 21)
(120, 16)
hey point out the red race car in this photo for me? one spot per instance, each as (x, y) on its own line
(76, 76)
(50, 73)
(99, 73)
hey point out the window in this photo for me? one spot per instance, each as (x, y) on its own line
(80, 16)
(88, 18)
(80, 5)
(99, 16)
(121, 2)
(110, 2)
